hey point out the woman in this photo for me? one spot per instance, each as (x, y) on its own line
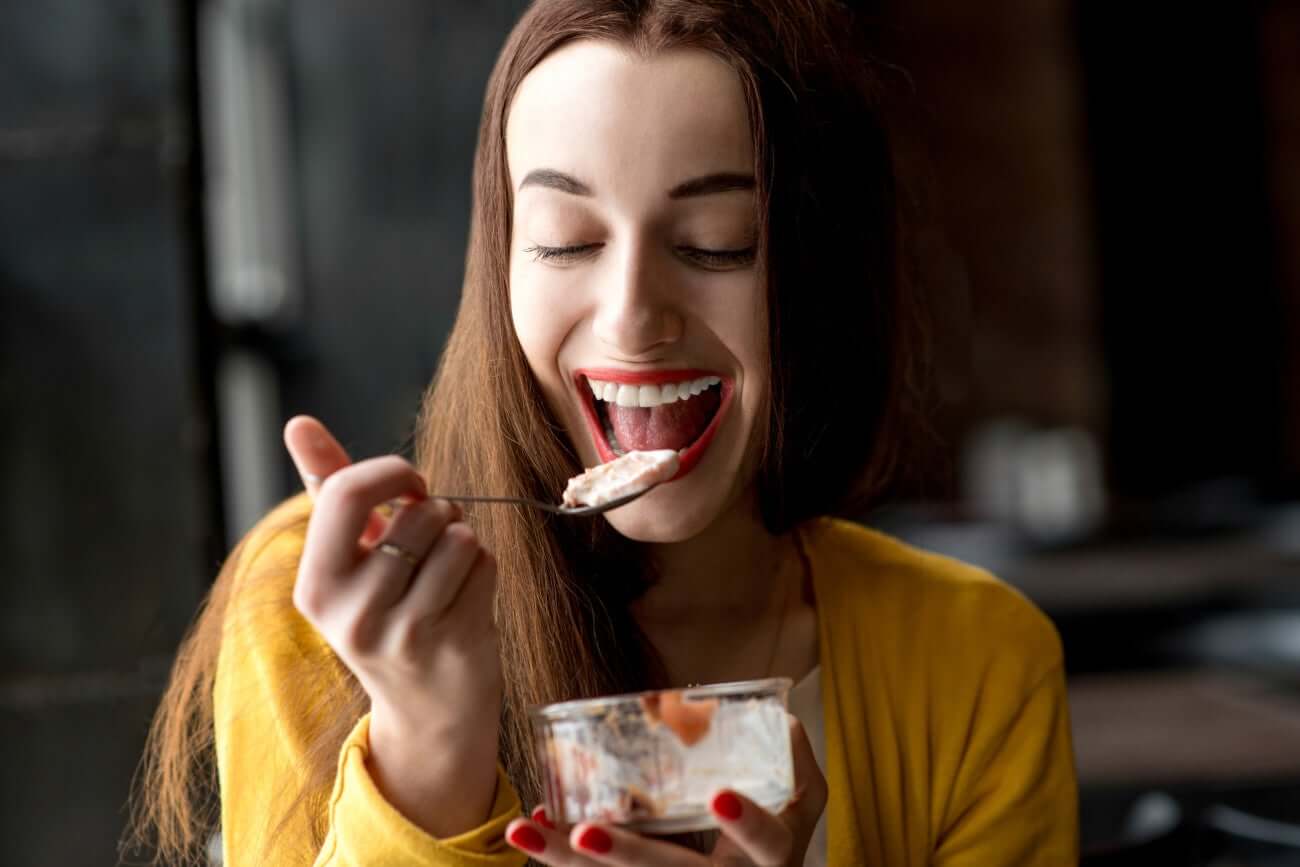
(683, 237)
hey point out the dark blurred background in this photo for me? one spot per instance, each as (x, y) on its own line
(216, 214)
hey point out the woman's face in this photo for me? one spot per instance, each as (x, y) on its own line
(632, 269)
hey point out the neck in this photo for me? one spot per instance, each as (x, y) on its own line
(719, 599)
(725, 571)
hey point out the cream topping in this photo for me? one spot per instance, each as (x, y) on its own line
(621, 477)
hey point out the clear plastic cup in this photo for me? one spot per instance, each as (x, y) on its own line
(651, 761)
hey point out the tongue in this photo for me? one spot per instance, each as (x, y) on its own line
(670, 426)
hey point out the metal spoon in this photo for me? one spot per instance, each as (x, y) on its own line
(572, 512)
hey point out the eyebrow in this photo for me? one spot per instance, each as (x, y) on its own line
(718, 182)
(555, 180)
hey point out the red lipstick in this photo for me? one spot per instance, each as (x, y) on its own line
(688, 458)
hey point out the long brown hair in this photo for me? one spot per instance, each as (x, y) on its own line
(839, 313)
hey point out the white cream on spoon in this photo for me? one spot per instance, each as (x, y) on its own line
(632, 473)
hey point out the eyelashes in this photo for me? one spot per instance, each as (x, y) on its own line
(713, 260)
(560, 254)
(719, 259)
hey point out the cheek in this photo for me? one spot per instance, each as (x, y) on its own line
(737, 315)
(743, 327)
(543, 315)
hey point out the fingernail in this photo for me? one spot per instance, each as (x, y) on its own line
(528, 839)
(727, 806)
(595, 840)
(539, 816)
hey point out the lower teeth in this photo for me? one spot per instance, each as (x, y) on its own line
(613, 441)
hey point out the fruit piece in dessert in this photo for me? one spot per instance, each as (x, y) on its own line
(689, 720)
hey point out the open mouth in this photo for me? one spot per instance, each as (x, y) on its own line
(660, 409)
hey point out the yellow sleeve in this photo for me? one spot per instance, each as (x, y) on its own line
(1016, 802)
(278, 688)
(365, 829)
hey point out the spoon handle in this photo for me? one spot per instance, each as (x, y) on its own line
(517, 501)
(574, 512)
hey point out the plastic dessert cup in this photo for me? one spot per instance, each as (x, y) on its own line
(652, 761)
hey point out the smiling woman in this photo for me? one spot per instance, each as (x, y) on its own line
(684, 239)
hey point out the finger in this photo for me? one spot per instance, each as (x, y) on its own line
(465, 626)
(539, 816)
(809, 783)
(344, 504)
(317, 455)
(445, 571)
(417, 525)
(762, 837)
(605, 844)
(477, 595)
(315, 452)
(544, 844)
(800, 814)
(392, 564)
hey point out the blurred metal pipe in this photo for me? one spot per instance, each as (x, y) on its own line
(255, 275)
(256, 269)
(248, 394)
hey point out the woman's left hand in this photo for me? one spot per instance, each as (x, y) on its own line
(750, 834)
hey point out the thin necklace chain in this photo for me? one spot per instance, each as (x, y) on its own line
(785, 607)
(780, 627)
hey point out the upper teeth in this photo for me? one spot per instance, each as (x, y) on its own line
(650, 395)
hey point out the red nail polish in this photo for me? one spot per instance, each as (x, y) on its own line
(595, 840)
(528, 839)
(727, 806)
(539, 816)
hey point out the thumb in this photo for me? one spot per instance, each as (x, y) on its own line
(810, 789)
(317, 455)
(315, 452)
(747, 842)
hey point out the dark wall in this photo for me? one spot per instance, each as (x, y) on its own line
(386, 110)
(1191, 300)
(101, 449)
(110, 536)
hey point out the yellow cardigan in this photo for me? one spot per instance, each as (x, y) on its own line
(947, 733)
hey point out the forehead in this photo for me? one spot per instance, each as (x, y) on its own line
(625, 123)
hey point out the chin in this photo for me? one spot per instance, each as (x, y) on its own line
(646, 522)
(676, 512)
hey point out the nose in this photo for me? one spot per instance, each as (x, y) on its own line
(636, 313)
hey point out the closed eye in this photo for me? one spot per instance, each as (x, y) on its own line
(560, 254)
(718, 260)
(715, 260)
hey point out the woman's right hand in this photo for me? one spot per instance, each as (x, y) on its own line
(406, 604)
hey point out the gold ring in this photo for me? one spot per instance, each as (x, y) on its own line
(398, 551)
